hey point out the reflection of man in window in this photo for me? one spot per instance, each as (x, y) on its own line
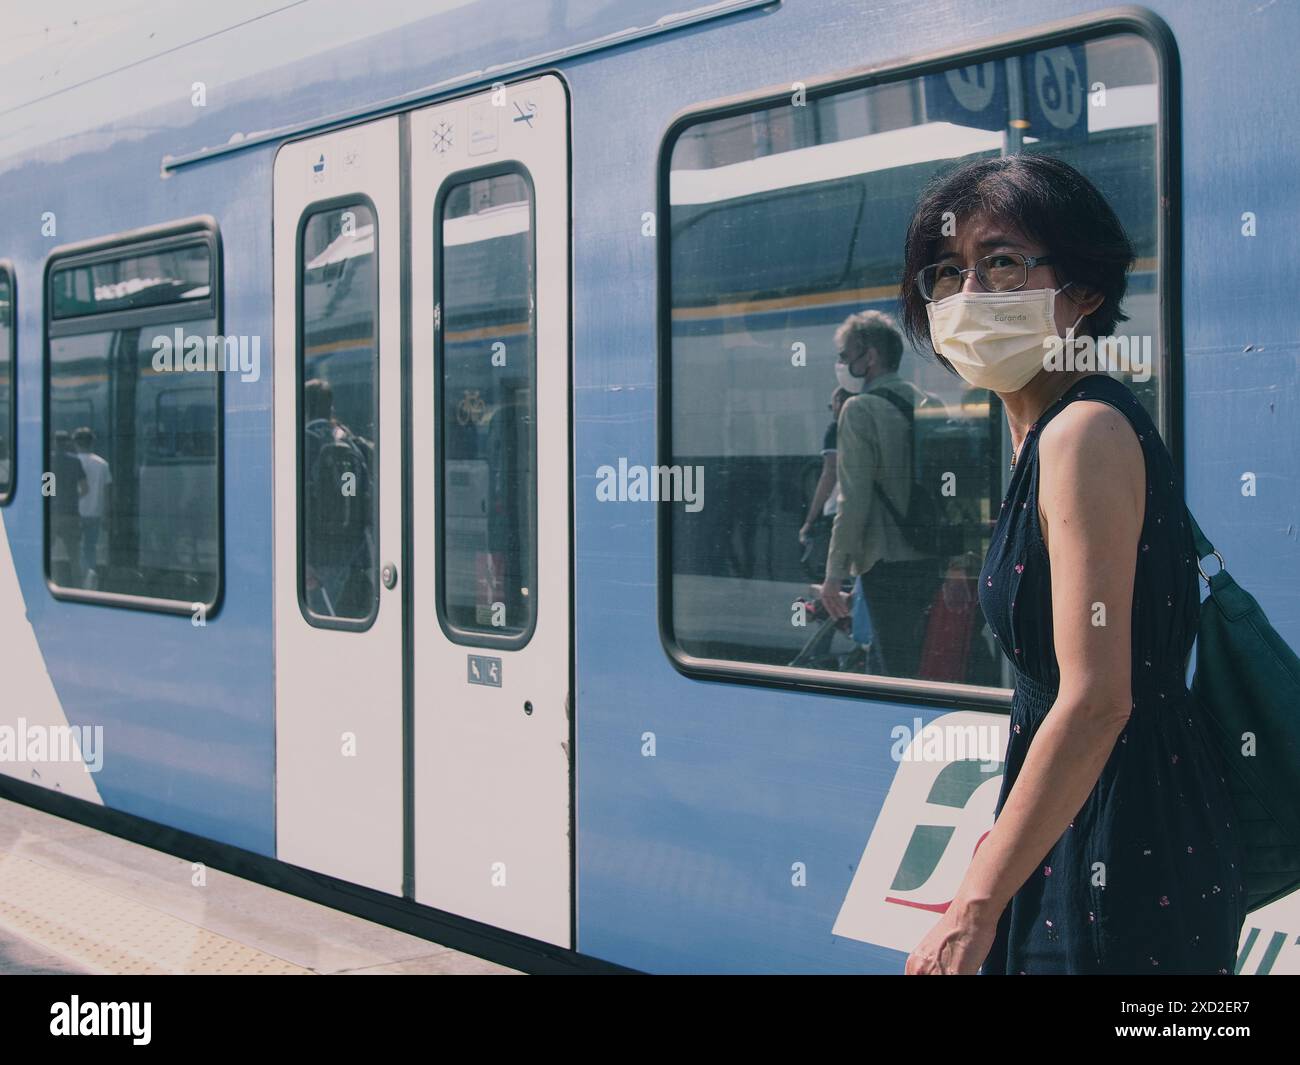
(337, 483)
(65, 515)
(93, 504)
(875, 455)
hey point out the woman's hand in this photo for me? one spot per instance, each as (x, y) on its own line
(956, 946)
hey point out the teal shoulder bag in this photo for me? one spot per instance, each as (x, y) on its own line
(1248, 681)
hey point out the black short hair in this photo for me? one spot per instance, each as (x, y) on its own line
(317, 399)
(1048, 201)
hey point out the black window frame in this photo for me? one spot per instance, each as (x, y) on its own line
(455, 633)
(1134, 21)
(202, 229)
(9, 425)
(310, 211)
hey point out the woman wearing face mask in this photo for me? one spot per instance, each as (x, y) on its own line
(1115, 847)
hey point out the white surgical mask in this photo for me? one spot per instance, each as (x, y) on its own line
(996, 340)
(846, 379)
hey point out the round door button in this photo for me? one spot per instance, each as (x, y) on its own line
(388, 574)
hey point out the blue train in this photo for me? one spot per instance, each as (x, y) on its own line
(404, 443)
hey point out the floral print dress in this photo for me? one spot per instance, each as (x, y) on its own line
(1147, 878)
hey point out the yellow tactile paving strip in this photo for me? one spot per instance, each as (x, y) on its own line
(110, 934)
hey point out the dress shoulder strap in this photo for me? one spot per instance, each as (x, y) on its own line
(1104, 389)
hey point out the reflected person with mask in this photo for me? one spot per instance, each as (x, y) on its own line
(1113, 849)
(875, 468)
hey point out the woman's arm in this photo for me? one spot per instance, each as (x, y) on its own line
(823, 491)
(857, 467)
(1092, 489)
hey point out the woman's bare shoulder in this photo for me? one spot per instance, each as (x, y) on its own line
(1087, 424)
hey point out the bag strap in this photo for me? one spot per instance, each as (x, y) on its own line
(909, 412)
(904, 408)
(1203, 549)
(1203, 545)
(893, 510)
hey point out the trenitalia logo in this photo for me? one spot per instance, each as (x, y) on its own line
(937, 812)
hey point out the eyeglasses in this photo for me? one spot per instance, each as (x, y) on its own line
(1003, 271)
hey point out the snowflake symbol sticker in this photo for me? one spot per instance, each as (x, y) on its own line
(443, 137)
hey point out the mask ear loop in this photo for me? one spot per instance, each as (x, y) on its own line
(1069, 333)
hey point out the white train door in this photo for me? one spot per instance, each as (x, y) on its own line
(338, 505)
(422, 615)
(489, 268)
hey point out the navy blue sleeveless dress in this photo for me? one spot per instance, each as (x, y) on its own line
(1147, 878)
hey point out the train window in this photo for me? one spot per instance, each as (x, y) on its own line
(133, 420)
(784, 219)
(338, 415)
(152, 279)
(8, 413)
(486, 374)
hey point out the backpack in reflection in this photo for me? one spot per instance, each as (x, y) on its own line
(933, 524)
(339, 492)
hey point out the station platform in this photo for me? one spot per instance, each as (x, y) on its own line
(77, 900)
